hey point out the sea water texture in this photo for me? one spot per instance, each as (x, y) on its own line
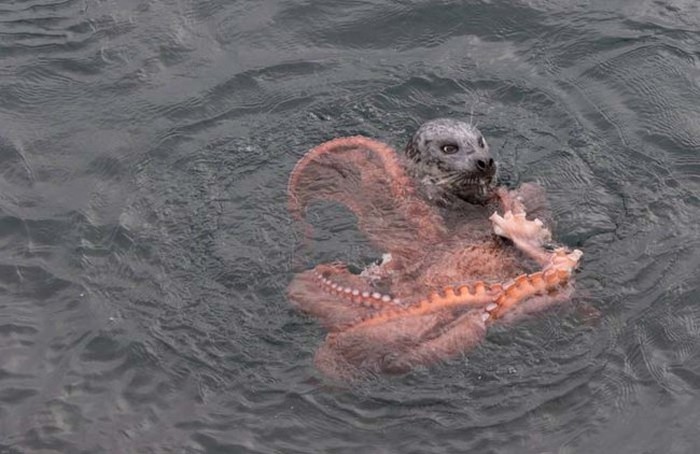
(145, 245)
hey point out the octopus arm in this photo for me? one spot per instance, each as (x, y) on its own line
(335, 297)
(399, 345)
(531, 238)
(366, 176)
(460, 336)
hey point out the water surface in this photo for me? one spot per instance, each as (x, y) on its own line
(145, 246)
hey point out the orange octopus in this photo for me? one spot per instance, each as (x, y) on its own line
(452, 265)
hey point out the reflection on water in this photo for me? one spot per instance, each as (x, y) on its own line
(145, 246)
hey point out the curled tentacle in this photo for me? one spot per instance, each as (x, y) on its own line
(401, 184)
(366, 176)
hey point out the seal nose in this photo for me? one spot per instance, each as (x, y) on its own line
(487, 166)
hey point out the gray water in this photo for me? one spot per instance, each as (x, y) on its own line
(145, 245)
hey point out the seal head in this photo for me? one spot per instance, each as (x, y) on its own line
(451, 161)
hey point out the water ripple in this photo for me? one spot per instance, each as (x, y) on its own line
(145, 245)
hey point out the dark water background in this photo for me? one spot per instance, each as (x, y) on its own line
(145, 246)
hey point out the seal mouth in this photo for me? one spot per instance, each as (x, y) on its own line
(468, 186)
(478, 190)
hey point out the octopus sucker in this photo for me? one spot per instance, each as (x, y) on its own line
(450, 293)
(434, 210)
(479, 288)
(537, 280)
(465, 290)
(434, 304)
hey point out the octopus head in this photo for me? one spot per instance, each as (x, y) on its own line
(451, 158)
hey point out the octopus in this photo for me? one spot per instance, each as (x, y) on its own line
(460, 253)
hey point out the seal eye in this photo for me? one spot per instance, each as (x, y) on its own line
(449, 149)
(482, 142)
